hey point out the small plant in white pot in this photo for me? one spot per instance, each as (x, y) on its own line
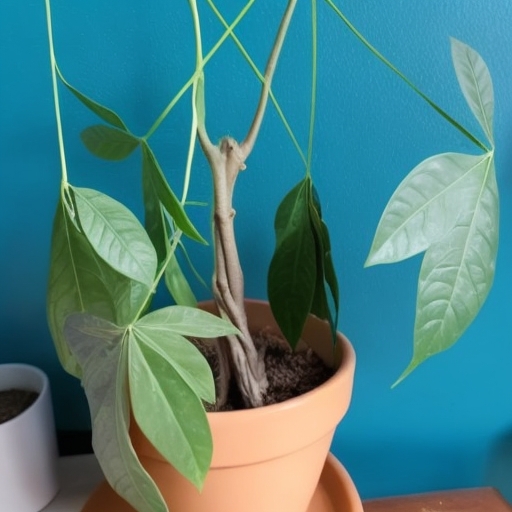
(28, 444)
(142, 369)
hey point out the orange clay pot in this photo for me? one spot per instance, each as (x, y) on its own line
(268, 459)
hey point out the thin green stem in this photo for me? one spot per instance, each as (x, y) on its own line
(197, 73)
(314, 39)
(64, 173)
(159, 275)
(261, 78)
(395, 70)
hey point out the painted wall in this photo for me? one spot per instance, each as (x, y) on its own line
(449, 424)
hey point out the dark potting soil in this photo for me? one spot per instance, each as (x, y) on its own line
(290, 374)
(14, 401)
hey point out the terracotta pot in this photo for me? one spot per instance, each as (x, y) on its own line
(268, 459)
(28, 444)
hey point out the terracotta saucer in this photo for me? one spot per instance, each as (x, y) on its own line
(335, 493)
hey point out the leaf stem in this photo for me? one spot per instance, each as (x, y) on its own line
(314, 46)
(395, 70)
(64, 173)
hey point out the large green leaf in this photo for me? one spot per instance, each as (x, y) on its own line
(109, 143)
(292, 272)
(100, 348)
(154, 178)
(104, 113)
(75, 283)
(425, 206)
(476, 84)
(458, 270)
(116, 235)
(168, 374)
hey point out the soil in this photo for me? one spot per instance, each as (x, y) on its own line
(14, 401)
(289, 373)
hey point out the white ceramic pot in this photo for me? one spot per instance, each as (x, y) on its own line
(28, 445)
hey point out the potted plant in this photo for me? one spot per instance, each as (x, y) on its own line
(143, 373)
(28, 465)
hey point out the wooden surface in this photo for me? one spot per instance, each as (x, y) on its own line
(484, 499)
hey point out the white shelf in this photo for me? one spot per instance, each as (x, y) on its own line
(78, 476)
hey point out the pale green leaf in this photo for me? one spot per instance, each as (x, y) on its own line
(457, 272)
(109, 143)
(187, 321)
(178, 285)
(100, 349)
(160, 371)
(75, 283)
(293, 268)
(116, 235)
(426, 205)
(476, 84)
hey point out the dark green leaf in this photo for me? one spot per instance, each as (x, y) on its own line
(109, 143)
(109, 116)
(155, 180)
(326, 299)
(178, 285)
(292, 272)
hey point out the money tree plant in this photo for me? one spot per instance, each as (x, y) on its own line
(134, 360)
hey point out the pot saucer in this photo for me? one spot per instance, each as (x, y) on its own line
(335, 493)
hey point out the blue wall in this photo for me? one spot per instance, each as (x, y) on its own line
(449, 424)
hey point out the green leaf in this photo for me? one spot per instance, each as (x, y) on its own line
(168, 374)
(154, 178)
(109, 143)
(326, 298)
(458, 270)
(476, 84)
(116, 235)
(187, 321)
(178, 285)
(292, 272)
(75, 283)
(101, 351)
(155, 221)
(104, 113)
(425, 206)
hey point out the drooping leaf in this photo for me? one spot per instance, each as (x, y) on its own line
(326, 297)
(104, 113)
(155, 221)
(155, 179)
(75, 283)
(425, 206)
(170, 375)
(476, 84)
(180, 431)
(116, 235)
(101, 350)
(178, 285)
(109, 143)
(458, 270)
(292, 272)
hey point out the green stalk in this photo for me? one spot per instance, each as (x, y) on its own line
(395, 70)
(64, 173)
(314, 45)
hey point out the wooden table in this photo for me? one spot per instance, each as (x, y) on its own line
(483, 499)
